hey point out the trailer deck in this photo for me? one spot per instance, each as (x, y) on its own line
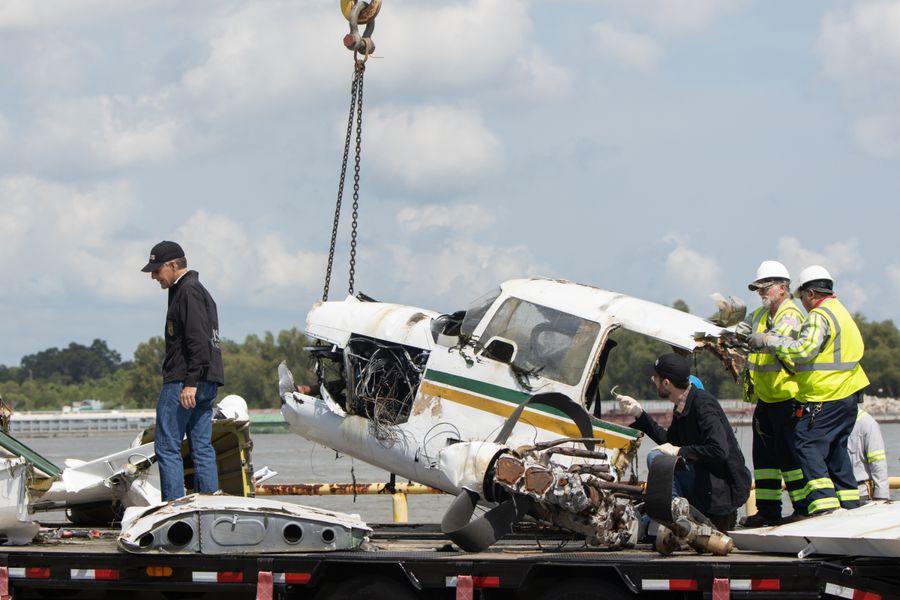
(412, 561)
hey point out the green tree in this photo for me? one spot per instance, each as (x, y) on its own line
(145, 375)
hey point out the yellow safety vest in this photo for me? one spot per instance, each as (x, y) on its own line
(771, 383)
(835, 372)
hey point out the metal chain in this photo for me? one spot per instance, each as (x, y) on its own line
(354, 86)
(360, 71)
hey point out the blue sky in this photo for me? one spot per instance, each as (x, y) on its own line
(652, 147)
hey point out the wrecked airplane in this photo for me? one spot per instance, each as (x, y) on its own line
(494, 405)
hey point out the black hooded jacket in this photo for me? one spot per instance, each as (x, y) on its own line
(192, 335)
(707, 442)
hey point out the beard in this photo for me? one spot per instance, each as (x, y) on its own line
(662, 393)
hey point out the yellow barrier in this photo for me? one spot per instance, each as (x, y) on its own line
(398, 492)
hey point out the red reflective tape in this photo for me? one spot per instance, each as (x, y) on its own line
(37, 572)
(486, 582)
(4, 583)
(683, 585)
(860, 595)
(765, 585)
(297, 578)
(721, 589)
(106, 574)
(230, 577)
(465, 587)
(264, 585)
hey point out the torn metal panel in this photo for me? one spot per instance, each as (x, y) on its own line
(334, 322)
(218, 524)
(15, 520)
(119, 476)
(871, 530)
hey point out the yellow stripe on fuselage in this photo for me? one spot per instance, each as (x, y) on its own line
(540, 420)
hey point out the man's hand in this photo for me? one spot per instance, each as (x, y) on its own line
(630, 406)
(757, 341)
(668, 449)
(188, 397)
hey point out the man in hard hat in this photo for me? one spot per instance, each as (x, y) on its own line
(773, 388)
(192, 373)
(716, 480)
(826, 359)
(867, 453)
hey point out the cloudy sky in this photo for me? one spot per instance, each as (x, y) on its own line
(661, 148)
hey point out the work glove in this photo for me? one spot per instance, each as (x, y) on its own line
(629, 405)
(757, 341)
(668, 449)
(743, 328)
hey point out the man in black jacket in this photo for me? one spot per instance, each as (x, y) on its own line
(716, 480)
(192, 373)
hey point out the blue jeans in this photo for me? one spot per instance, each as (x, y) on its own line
(173, 421)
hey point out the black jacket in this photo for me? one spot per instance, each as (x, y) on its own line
(707, 442)
(192, 335)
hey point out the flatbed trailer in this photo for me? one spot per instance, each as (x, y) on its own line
(415, 561)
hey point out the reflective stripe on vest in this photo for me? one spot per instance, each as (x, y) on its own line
(835, 372)
(771, 383)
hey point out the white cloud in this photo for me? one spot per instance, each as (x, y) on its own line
(457, 217)
(539, 77)
(458, 270)
(860, 51)
(27, 14)
(639, 31)
(267, 53)
(61, 239)
(842, 259)
(5, 132)
(686, 266)
(435, 147)
(677, 18)
(879, 135)
(634, 50)
(103, 132)
(244, 265)
(893, 276)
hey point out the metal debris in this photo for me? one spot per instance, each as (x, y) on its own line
(218, 524)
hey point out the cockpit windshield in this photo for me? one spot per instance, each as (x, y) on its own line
(477, 310)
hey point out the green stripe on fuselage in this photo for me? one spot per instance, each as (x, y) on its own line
(516, 397)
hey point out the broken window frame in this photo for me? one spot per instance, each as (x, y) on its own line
(590, 355)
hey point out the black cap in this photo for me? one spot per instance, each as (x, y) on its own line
(673, 367)
(818, 285)
(162, 253)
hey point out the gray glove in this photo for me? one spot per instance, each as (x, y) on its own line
(757, 341)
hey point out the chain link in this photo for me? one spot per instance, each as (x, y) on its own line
(355, 109)
(361, 71)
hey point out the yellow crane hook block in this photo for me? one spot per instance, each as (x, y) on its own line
(369, 11)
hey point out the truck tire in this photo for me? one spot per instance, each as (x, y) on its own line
(582, 589)
(366, 588)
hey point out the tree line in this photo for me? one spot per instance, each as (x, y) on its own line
(56, 377)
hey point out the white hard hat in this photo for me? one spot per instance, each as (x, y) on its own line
(817, 278)
(234, 407)
(769, 271)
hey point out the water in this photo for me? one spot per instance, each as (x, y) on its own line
(300, 461)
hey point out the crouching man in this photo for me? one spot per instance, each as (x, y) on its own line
(716, 481)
